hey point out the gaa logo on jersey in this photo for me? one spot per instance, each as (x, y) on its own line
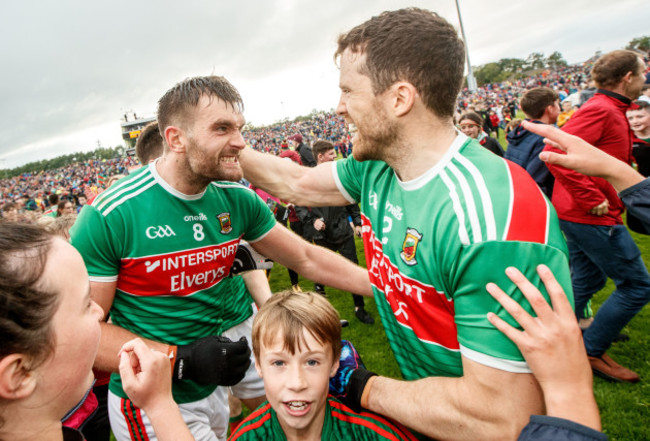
(410, 246)
(224, 221)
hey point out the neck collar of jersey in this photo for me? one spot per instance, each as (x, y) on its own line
(422, 180)
(171, 190)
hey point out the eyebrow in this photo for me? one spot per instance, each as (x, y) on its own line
(227, 123)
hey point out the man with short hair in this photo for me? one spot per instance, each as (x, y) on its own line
(159, 245)
(590, 212)
(306, 155)
(541, 106)
(441, 217)
(149, 145)
(329, 227)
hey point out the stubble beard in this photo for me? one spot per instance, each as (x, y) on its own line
(203, 169)
(379, 139)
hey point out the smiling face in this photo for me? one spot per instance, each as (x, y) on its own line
(376, 133)
(296, 384)
(639, 120)
(214, 141)
(469, 128)
(328, 156)
(67, 375)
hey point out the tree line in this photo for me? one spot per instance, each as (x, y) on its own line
(516, 68)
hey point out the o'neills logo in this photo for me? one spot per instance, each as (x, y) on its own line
(198, 217)
(410, 246)
(224, 222)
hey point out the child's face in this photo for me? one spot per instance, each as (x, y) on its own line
(297, 385)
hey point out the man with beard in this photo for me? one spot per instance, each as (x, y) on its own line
(441, 217)
(159, 245)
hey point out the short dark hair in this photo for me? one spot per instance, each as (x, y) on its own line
(413, 45)
(53, 198)
(175, 105)
(644, 105)
(321, 147)
(610, 69)
(26, 306)
(149, 145)
(535, 101)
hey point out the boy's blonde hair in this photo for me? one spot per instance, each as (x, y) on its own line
(288, 313)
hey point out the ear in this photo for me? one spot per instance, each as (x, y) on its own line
(628, 77)
(176, 139)
(258, 368)
(403, 96)
(335, 367)
(16, 379)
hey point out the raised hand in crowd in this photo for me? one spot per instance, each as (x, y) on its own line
(584, 157)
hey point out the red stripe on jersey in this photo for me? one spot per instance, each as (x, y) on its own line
(415, 305)
(243, 427)
(529, 212)
(395, 426)
(385, 434)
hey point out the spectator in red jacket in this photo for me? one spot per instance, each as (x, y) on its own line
(590, 213)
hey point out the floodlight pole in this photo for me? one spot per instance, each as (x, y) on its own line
(471, 81)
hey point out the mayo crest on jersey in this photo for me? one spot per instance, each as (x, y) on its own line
(433, 243)
(171, 254)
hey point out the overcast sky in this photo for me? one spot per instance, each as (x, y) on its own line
(71, 69)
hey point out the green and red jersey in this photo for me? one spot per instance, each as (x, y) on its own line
(171, 254)
(341, 423)
(433, 243)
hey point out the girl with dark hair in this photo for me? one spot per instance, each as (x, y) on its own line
(49, 328)
(471, 125)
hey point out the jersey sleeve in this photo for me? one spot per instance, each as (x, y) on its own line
(260, 219)
(94, 240)
(486, 262)
(347, 175)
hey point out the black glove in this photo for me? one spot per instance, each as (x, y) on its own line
(247, 259)
(212, 360)
(351, 377)
(279, 211)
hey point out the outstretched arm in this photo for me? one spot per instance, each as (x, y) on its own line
(485, 403)
(552, 345)
(584, 157)
(258, 286)
(315, 263)
(284, 179)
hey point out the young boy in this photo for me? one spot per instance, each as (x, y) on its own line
(297, 344)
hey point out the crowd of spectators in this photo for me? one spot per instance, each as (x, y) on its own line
(28, 192)
(496, 103)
